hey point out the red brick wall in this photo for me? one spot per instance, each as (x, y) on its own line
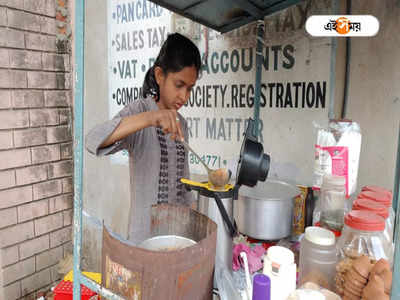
(36, 163)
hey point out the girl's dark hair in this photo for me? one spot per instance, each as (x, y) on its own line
(176, 53)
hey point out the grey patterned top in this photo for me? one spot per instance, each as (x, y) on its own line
(156, 165)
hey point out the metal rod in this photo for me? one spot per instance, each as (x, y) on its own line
(332, 79)
(347, 68)
(396, 204)
(78, 140)
(79, 278)
(95, 287)
(259, 57)
(396, 189)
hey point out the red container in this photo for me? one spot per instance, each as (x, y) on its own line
(378, 189)
(363, 220)
(380, 197)
(64, 291)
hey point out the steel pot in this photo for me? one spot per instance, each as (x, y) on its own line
(265, 211)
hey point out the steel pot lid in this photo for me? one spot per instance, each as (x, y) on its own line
(271, 189)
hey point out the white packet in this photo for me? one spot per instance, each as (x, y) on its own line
(337, 152)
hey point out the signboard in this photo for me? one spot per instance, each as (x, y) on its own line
(137, 30)
(294, 88)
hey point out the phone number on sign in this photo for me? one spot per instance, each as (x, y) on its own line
(211, 160)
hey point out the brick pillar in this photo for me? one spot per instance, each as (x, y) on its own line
(36, 163)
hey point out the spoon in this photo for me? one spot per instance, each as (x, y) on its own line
(249, 286)
(219, 177)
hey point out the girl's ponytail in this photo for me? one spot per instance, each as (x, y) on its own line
(150, 86)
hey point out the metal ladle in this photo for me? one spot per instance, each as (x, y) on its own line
(219, 177)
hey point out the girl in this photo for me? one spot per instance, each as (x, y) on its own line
(157, 162)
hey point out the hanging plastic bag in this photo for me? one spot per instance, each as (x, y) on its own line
(337, 152)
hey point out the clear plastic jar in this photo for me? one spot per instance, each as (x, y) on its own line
(363, 234)
(380, 210)
(333, 202)
(318, 257)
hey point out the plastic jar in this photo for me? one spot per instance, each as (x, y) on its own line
(380, 210)
(333, 202)
(380, 195)
(363, 234)
(318, 257)
(280, 267)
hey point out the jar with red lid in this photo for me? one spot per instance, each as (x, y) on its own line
(380, 195)
(363, 234)
(380, 210)
(379, 189)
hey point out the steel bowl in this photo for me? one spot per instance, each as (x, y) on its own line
(166, 243)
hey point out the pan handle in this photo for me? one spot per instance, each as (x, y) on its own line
(231, 227)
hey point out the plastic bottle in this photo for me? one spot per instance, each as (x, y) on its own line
(261, 287)
(280, 267)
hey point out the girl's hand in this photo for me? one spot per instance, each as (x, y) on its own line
(168, 121)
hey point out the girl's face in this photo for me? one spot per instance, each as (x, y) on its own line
(175, 87)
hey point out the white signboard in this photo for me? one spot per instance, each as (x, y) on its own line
(294, 88)
(137, 30)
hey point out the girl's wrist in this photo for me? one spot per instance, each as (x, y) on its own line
(151, 118)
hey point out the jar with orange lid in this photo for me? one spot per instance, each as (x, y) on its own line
(363, 234)
(380, 210)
